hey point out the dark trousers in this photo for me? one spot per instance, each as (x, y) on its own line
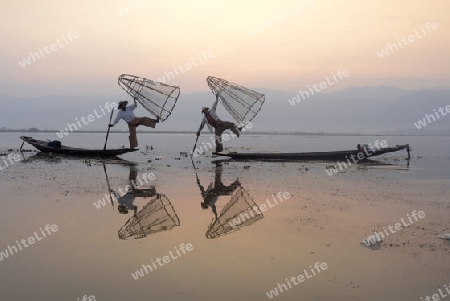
(133, 124)
(221, 126)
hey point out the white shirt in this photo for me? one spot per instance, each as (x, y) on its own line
(126, 200)
(212, 112)
(126, 115)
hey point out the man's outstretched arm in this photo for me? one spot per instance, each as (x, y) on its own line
(214, 106)
(115, 120)
(133, 106)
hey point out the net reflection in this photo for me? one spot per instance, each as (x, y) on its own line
(240, 211)
(156, 215)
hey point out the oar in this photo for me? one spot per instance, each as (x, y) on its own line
(195, 145)
(109, 186)
(107, 134)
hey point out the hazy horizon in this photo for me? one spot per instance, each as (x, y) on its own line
(373, 109)
(62, 61)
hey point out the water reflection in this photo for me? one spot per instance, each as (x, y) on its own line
(157, 215)
(215, 189)
(240, 211)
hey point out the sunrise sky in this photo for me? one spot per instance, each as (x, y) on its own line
(302, 47)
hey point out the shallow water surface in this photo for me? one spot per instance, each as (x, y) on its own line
(197, 229)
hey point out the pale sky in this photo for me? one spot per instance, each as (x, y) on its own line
(301, 48)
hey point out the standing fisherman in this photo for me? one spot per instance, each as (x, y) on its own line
(126, 113)
(212, 120)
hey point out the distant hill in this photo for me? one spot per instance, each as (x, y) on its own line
(355, 110)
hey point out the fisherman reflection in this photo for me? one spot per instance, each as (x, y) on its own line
(125, 202)
(216, 189)
(155, 216)
(133, 190)
(240, 210)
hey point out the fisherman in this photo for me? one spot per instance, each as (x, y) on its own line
(125, 201)
(212, 120)
(126, 113)
(211, 194)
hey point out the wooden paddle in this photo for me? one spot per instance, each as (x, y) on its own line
(107, 134)
(109, 186)
(195, 145)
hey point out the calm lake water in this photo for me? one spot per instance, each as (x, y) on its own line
(430, 155)
(184, 242)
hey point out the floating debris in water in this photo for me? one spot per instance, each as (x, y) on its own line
(371, 240)
(445, 236)
(303, 169)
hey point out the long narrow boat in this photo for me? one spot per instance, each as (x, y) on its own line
(363, 154)
(72, 151)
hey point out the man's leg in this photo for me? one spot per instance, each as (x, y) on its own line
(218, 132)
(145, 121)
(226, 125)
(132, 137)
(133, 176)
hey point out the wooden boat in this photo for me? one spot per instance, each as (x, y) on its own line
(363, 154)
(72, 151)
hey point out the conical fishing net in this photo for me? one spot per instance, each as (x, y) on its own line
(237, 213)
(242, 103)
(158, 215)
(157, 98)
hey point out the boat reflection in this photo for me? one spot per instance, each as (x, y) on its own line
(240, 211)
(156, 215)
(52, 158)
